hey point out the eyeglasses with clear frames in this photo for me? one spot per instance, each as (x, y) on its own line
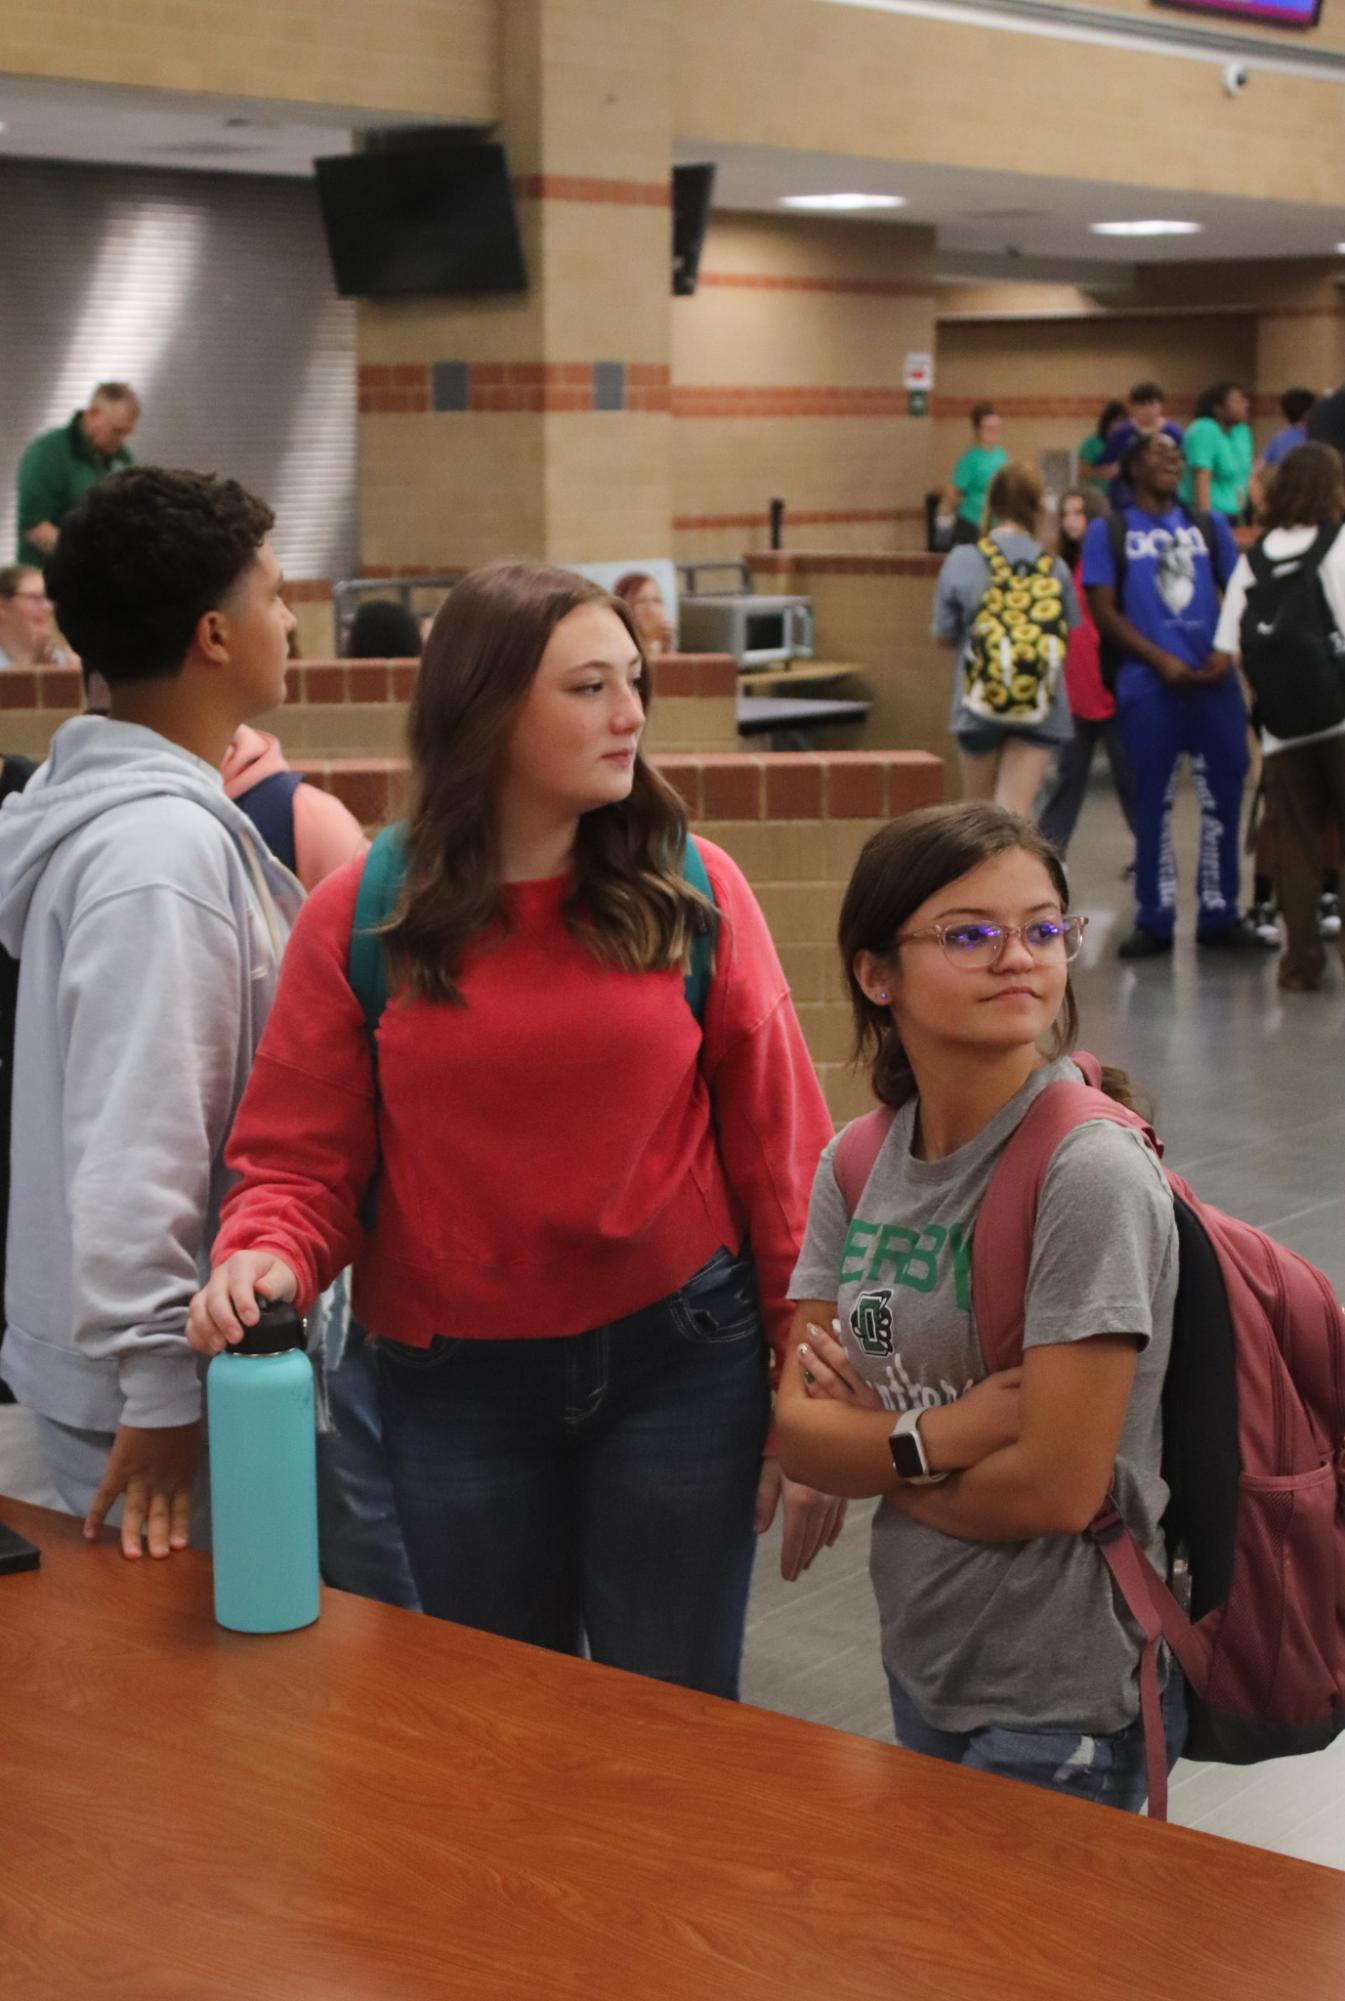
(975, 944)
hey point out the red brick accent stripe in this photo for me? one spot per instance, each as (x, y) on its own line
(814, 517)
(393, 388)
(785, 281)
(576, 187)
(812, 401)
(58, 689)
(497, 387)
(799, 563)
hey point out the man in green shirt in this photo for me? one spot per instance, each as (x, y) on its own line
(966, 494)
(59, 467)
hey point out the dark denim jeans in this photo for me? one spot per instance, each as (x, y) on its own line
(592, 1491)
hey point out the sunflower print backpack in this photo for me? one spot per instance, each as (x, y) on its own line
(1017, 650)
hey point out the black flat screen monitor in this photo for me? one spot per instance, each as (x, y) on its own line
(691, 191)
(432, 220)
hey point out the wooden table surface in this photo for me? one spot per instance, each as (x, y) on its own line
(386, 1806)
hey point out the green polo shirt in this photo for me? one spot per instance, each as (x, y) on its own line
(972, 476)
(55, 473)
(1227, 457)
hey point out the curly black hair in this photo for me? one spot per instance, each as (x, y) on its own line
(142, 559)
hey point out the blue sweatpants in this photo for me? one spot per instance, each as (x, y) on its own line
(1160, 726)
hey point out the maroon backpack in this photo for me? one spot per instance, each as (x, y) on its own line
(1253, 1450)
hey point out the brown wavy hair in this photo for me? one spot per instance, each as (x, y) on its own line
(629, 901)
(899, 867)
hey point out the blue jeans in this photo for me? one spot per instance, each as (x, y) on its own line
(1160, 725)
(592, 1491)
(1108, 1770)
(359, 1536)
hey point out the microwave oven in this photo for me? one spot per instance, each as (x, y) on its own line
(757, 631)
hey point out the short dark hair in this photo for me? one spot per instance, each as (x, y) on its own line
(1296, 404)
(1209, 399)
(1016, 494)
(1111, 414)
(142, 559)
(979, 413)
(1146, 392)
(1307, 489)
(381, 630)
(1136, 450)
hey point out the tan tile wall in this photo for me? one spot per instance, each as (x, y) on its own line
(855, 81)
(436, 57)
(805, 325)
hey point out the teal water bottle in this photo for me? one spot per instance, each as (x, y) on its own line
(263, 1478)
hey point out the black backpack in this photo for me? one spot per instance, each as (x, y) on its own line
(1292, 654)
(270, 807)
(1109, 654)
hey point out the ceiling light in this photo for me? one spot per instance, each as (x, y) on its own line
(1340, 247)
(1146, 228)
(842, 202)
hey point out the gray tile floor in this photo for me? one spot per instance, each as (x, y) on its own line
(1250, 1094)
(1248, 1086)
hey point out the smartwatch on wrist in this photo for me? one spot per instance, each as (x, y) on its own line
(908, 1450)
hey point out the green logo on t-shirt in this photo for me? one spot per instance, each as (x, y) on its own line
(896, 1254)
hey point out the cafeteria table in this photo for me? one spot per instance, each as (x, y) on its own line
(385, 1807)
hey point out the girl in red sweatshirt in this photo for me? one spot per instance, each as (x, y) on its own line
(571, 1168)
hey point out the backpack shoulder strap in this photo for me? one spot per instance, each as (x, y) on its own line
(995, 560)
(696, 985)
(856, 1151)
(1116, 541)
(380, 886)
(1202, 519)
(1258, 562)
(1002, 1235)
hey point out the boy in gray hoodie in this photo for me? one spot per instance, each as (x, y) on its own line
(148, 920)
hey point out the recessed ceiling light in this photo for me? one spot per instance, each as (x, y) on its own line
(1340, 247)
(1146, 228)
(842, 202)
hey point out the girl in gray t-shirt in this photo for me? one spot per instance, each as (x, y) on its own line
(1004, 1643)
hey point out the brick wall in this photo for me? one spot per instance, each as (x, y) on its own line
(357, 708)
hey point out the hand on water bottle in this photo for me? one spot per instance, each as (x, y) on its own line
(227, 1305)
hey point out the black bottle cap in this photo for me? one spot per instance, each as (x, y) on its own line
(278, 1330)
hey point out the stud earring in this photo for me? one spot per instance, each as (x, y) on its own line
(883, 994)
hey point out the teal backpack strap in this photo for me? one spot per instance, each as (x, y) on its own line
(380, 886)
(696, 986)
(366, 962)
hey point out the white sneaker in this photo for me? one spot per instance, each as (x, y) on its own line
(1264, 922)
(1328, 914)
